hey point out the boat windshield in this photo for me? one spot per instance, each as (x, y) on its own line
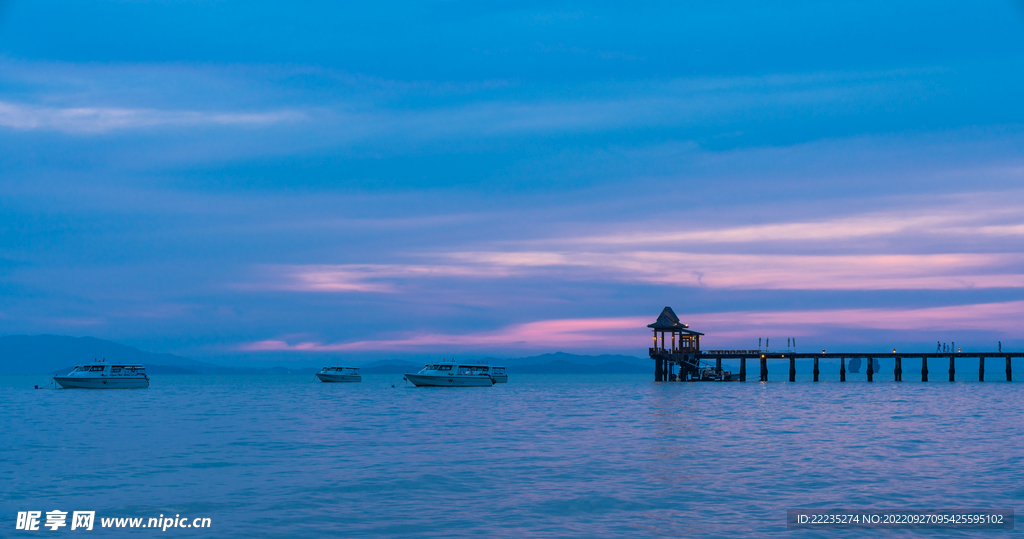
(437, 367)
(96, 368)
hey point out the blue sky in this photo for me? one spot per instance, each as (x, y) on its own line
(268, 182)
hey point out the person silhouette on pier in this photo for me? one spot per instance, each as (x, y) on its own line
(938, 347)
(1000, 346)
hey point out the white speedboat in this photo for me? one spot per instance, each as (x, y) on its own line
(498, 373)
(105, 376)
(339, 374)
(452, 375)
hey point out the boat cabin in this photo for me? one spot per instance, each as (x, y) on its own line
(108, 369)
(455, 368)
(340, 370)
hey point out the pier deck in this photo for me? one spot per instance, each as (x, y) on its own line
(681, 351)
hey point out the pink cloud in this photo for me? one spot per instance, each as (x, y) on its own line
(951, 271)
(380, 278)
(622, 333)
(562, 334)
(773, 272)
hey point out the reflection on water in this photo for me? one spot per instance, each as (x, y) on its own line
(558, 455)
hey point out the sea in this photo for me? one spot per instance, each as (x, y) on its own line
(541, 456)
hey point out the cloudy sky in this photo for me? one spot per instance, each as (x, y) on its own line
(265, 181)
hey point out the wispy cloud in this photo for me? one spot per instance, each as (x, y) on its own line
(774, 272)
(719, 271)
(89, 120)
(361, 277)
(355, 106)
(563, 334)
(999, 318)
(804, 255)
(721, 328)
(932, 223)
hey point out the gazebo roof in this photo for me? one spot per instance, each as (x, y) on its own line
(668, 321)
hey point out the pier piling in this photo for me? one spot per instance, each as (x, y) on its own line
(871, 371)
(816, 371)
(952, 369)
(718, 365)
(764, 369)
(842, 369)
(1009, 375)
(792, 369)
(981, 369)
(924, 369)
(743, 369)
(898, 371)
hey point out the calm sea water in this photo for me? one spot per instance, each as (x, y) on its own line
(544, 455)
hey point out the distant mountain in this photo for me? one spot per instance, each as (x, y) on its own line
(38, 354)
(391, 368)
(150, 369)
(571, 358)
(855, 364)
(566, 367)
(41, 354)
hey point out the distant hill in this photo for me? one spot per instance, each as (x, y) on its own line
(38, 354)
(390, 367)
(571, 358)
(51, 354)
(554, 363)
(48, 354)
(566, 367)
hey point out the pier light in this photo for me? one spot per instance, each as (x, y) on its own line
(822, 350)
(894, 350)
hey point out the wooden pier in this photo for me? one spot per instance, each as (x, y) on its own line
(679, 357)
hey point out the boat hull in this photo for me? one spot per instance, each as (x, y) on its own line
(450, 381)
(500, 378)
(339, 377)
(113, 382)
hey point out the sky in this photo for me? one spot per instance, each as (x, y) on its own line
(293, 183)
